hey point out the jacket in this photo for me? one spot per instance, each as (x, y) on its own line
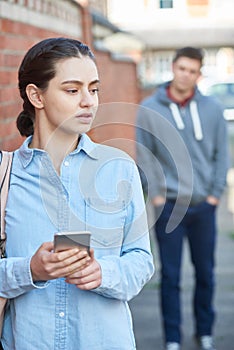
(182, 152)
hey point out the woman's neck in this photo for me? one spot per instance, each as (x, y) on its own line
(56, 144)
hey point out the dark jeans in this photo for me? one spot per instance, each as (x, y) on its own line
(198, 225)
(1, 348)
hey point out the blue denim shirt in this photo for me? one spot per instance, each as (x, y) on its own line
(98, 190)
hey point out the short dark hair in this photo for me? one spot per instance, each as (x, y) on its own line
(190, 52)
(39, 67)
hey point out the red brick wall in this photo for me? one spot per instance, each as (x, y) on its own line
(15, 39)
(119, 92)
(119, 95)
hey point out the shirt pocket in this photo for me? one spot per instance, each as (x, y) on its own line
(105, 220)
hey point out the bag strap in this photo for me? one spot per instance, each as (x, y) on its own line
(5, 170)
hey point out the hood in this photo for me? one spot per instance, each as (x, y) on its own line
(163, 98)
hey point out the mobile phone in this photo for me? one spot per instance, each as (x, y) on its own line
(71, 239)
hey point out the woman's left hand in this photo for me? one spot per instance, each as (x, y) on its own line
(89, 277)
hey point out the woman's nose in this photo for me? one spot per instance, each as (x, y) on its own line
(87, 100)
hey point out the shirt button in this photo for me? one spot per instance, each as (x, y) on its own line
(66, 163)
(61, 314)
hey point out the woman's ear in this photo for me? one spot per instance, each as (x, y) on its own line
(34, 96)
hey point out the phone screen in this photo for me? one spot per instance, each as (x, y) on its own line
(67, 240)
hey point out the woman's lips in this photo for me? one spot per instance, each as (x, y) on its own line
(85, 118)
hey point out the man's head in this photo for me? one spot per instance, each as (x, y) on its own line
(186, 69)
(189, 52)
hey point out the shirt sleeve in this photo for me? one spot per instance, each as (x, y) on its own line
(146, 151)
(16, 278)
(221, 159)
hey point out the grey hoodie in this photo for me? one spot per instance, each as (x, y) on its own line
(182, 152)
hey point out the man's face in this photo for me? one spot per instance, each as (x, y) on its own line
(186, 73)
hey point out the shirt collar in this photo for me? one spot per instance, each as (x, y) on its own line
(85, 144)
(88, 146)
(180, 103)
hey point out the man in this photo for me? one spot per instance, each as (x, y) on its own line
(182, 155)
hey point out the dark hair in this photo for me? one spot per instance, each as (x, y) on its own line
(190, 52)
(38, 67)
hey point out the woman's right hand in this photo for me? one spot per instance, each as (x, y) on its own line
(47, 265)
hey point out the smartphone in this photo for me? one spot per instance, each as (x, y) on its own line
(71, 239)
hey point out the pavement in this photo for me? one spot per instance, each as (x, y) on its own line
(145, 306)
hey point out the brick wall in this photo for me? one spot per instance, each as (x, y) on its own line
(119, 96)
(12, 49)
(23, 23)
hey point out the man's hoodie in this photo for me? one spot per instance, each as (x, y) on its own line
(182, 152)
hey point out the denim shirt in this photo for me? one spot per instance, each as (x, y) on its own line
(99, 190)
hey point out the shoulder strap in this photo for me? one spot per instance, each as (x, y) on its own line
(5, 169)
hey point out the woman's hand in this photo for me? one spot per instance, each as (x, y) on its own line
(89, 276)
(47, 265)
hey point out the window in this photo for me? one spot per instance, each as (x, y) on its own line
(166, 4)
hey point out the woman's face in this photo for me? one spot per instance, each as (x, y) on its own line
(70, 102)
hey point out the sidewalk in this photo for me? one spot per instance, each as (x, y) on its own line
(145, 307)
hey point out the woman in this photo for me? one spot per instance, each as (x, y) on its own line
(62, 181)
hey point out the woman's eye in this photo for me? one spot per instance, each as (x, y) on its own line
(72, 91)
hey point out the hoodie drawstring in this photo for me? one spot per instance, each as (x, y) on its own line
(176, 115)
(195, 119)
